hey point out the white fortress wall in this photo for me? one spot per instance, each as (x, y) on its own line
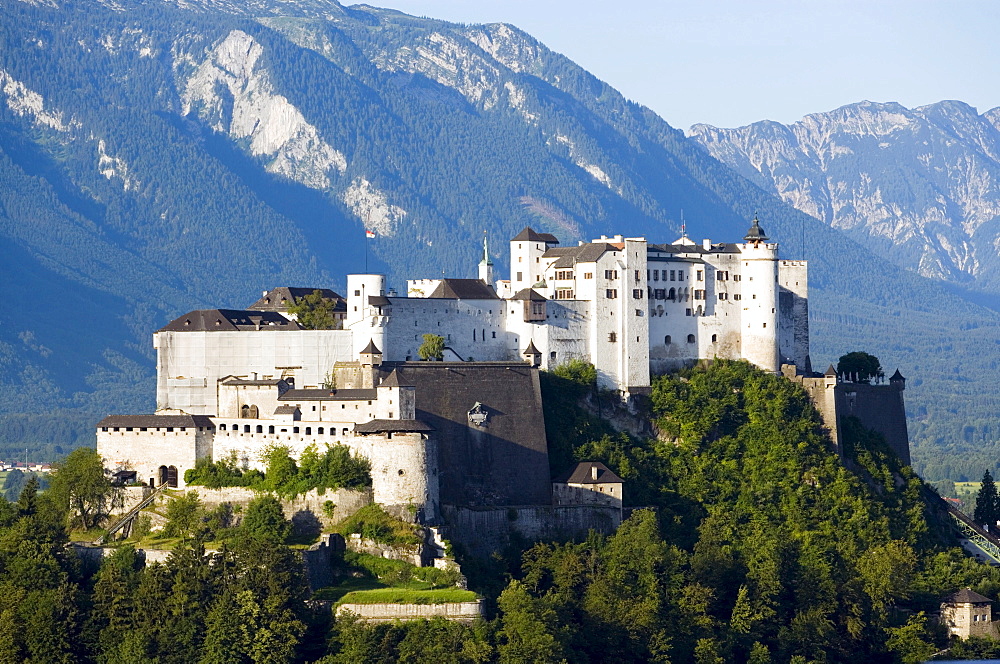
(189, 364)
(674, 323)
(760, 305)
(472, 328)
(634, 370)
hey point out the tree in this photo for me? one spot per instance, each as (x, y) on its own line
(987, 502)
(265, 520)
(432, 348)
(315, 312)
(859, 364)
(81, 484)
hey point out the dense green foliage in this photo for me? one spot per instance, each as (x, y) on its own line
(335, 468)
(374, 523)
(315, 312)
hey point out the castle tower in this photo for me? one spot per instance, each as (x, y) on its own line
(526, 249)
(759, 324)
(486, 266)
(364, 317)
(371, 359)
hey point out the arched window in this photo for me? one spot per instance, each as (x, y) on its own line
(309, 431)
(245, 411)
(672, 295)
(320, 431)
(715, 337)
(270, 429)
(254, 413)
(162, 475)
(698, 311)
(172, 476)
(246, 428)
(222, 427)
(666, 340)
(690, 338)
(260, 429)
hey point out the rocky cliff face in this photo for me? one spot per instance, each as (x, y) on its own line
(918, 185)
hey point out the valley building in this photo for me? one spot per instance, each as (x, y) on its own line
(468, 431)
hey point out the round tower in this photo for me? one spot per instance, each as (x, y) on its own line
(759, 274)
(364, 318)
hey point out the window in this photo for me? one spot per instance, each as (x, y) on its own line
(636, 293)
(638, 276)
(666, 340)
(588, 275)
(246, 428)
(656, 275)
(309, 431)
(611, 294)
(344, 431)
(765, 324)
(612, 337)
(319, 431)
(672, 295)
(564, 275)
(699, 295)
(690, 338)
(700, 273)
(357, 293)
(222, 427)
(494, 335)
(737, 296)
(518, 277)
(687, 312)
(673, 275)
(564, 294)
(611, 274)
(270, 429)
(715, 337)
(260, 429)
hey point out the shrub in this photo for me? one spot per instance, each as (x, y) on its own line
(374, 523)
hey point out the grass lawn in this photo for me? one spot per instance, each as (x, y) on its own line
(407, 596)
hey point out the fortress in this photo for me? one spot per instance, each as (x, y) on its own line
(467, 432)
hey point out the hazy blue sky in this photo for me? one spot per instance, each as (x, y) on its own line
(731, 62)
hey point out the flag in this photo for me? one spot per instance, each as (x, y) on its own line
(369, 233)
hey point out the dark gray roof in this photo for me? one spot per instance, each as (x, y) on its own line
(282, 297)
(718, 248)
(371, 348)
(230, 320)
(328, 395)
(896, 376)
(531, 350)
(153, 421)
(502, 462)
(463, 289)
(756, 233)
(286, 409)
(581, 474)
(393, 380)
(378, 300)
(588, 252)
(393, 426)
(966, 596)
(529, 294)
(529, 235)
(830, 371)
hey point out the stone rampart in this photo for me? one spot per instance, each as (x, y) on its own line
(460, 611)
(481, 531)
(346, 502)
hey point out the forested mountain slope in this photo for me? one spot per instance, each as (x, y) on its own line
(157, 157)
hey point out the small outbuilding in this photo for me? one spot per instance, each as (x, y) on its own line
(588, 483)
(967, 613)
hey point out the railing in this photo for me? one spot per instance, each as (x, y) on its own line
(988, 542)
(131, 514)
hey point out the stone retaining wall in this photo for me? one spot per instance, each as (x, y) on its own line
(460, 611)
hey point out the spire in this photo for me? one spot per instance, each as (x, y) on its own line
(756, 233)
(486, 252)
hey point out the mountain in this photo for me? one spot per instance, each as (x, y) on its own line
(918, 186)
(157, 157)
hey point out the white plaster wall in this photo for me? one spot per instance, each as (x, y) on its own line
(634, 372)
(760, 305)
(145, 451)
(455, 320)
(526, 261)
(189, 364)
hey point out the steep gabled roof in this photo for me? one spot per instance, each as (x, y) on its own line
(966, 596)
(582, 473)
(463, 289)
(531, 350)
(371, 349)
(230, 320)
(393, 380)
(896, 376)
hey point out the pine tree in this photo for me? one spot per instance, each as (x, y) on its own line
(987, 510)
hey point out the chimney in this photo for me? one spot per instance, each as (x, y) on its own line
(706, 244)
(255, 375)
(593, 472)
